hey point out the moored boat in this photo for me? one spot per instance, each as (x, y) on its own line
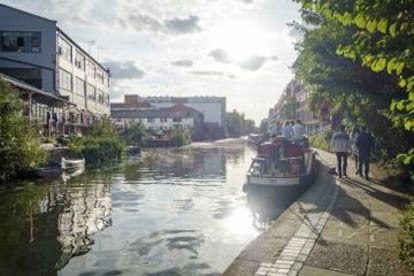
(50, 170)
(72, 163)
(282, 168)
(256, 138)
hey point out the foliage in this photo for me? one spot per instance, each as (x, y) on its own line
(19, 146)
(101, 143)
(358, 58)
(237, 125)
(321, 140)
(406, 239)
(136, 134)
(179, 137)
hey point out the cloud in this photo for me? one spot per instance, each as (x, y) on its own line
(143, 22)
(248, 1)
(213, 73)
(221, 55)
(251, 63)
(254, 63)
(183, 63)
(182, 26)
(124, 70)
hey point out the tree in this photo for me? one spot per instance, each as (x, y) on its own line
(19, 146)
(358, 58)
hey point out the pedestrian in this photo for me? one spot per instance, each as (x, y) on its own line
(365, 144)
(354, 149)
(287, 131)
(340, 143)
(298, 131)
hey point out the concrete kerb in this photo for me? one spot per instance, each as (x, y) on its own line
(293, 234)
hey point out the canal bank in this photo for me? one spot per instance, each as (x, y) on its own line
(343, 226)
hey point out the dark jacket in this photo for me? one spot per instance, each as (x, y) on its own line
(365, 144)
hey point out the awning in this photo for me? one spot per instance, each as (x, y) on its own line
(38, 95)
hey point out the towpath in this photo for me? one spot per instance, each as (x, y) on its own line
(345, 226)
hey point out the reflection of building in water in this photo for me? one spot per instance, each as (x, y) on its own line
(86, 211)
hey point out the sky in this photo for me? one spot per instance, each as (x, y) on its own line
(238, 49)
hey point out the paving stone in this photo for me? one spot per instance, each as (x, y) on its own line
(385, 262)
(242, 267)
(316, 271)
(264, 249)
(350, 258)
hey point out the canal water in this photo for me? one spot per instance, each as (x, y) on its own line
(168, 212)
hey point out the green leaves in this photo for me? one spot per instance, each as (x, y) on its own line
(372, 26)
(359, 20)
(393, 30)
(379, 64)
(382, 25)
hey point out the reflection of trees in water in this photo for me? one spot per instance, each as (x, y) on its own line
(28, 231)
(86, 211)
(43, 226)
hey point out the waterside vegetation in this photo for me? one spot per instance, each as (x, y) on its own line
(19, 145)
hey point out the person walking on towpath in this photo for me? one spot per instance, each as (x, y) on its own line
(340, 144)
(354, 149)
(365, 144)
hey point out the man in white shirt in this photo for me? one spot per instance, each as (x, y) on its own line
(287, 132)
(340, 144)
(298, 131)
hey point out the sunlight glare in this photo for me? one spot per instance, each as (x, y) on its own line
(239, 223)
(241, 39)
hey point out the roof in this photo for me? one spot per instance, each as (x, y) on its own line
(28, 13)
(83, 51)
(135, 105)
(24, 86)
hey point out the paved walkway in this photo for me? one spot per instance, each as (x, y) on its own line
(345, 226)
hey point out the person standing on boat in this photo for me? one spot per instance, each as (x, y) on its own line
(287, 131)
(341, 144)
(298, 131)
(365, 144)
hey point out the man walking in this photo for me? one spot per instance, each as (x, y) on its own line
(340, 143)
(365, 144)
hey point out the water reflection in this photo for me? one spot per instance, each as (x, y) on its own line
(171, 212)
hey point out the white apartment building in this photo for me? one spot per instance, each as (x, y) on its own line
(34, 50)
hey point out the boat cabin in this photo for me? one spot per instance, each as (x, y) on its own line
(280, 158)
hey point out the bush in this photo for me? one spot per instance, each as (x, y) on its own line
(321, 140)
(101, 143)
(179, 137)
(406, 239)
(19, 146)
(97, 150)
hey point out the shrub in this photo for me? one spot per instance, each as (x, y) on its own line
(179, 137)
(406, 239)
(321, 140)
(101, 143)
(19, 146)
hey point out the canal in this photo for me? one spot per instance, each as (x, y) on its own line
(168, 212)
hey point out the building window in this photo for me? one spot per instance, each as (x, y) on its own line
(80, 60)
(65, 80)
(28, 42)
(150, 120)
(101, 96)
(90, 68)
(91, 92)
(100, 75)
(65, 50)
(177, 120)
(80, 86)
